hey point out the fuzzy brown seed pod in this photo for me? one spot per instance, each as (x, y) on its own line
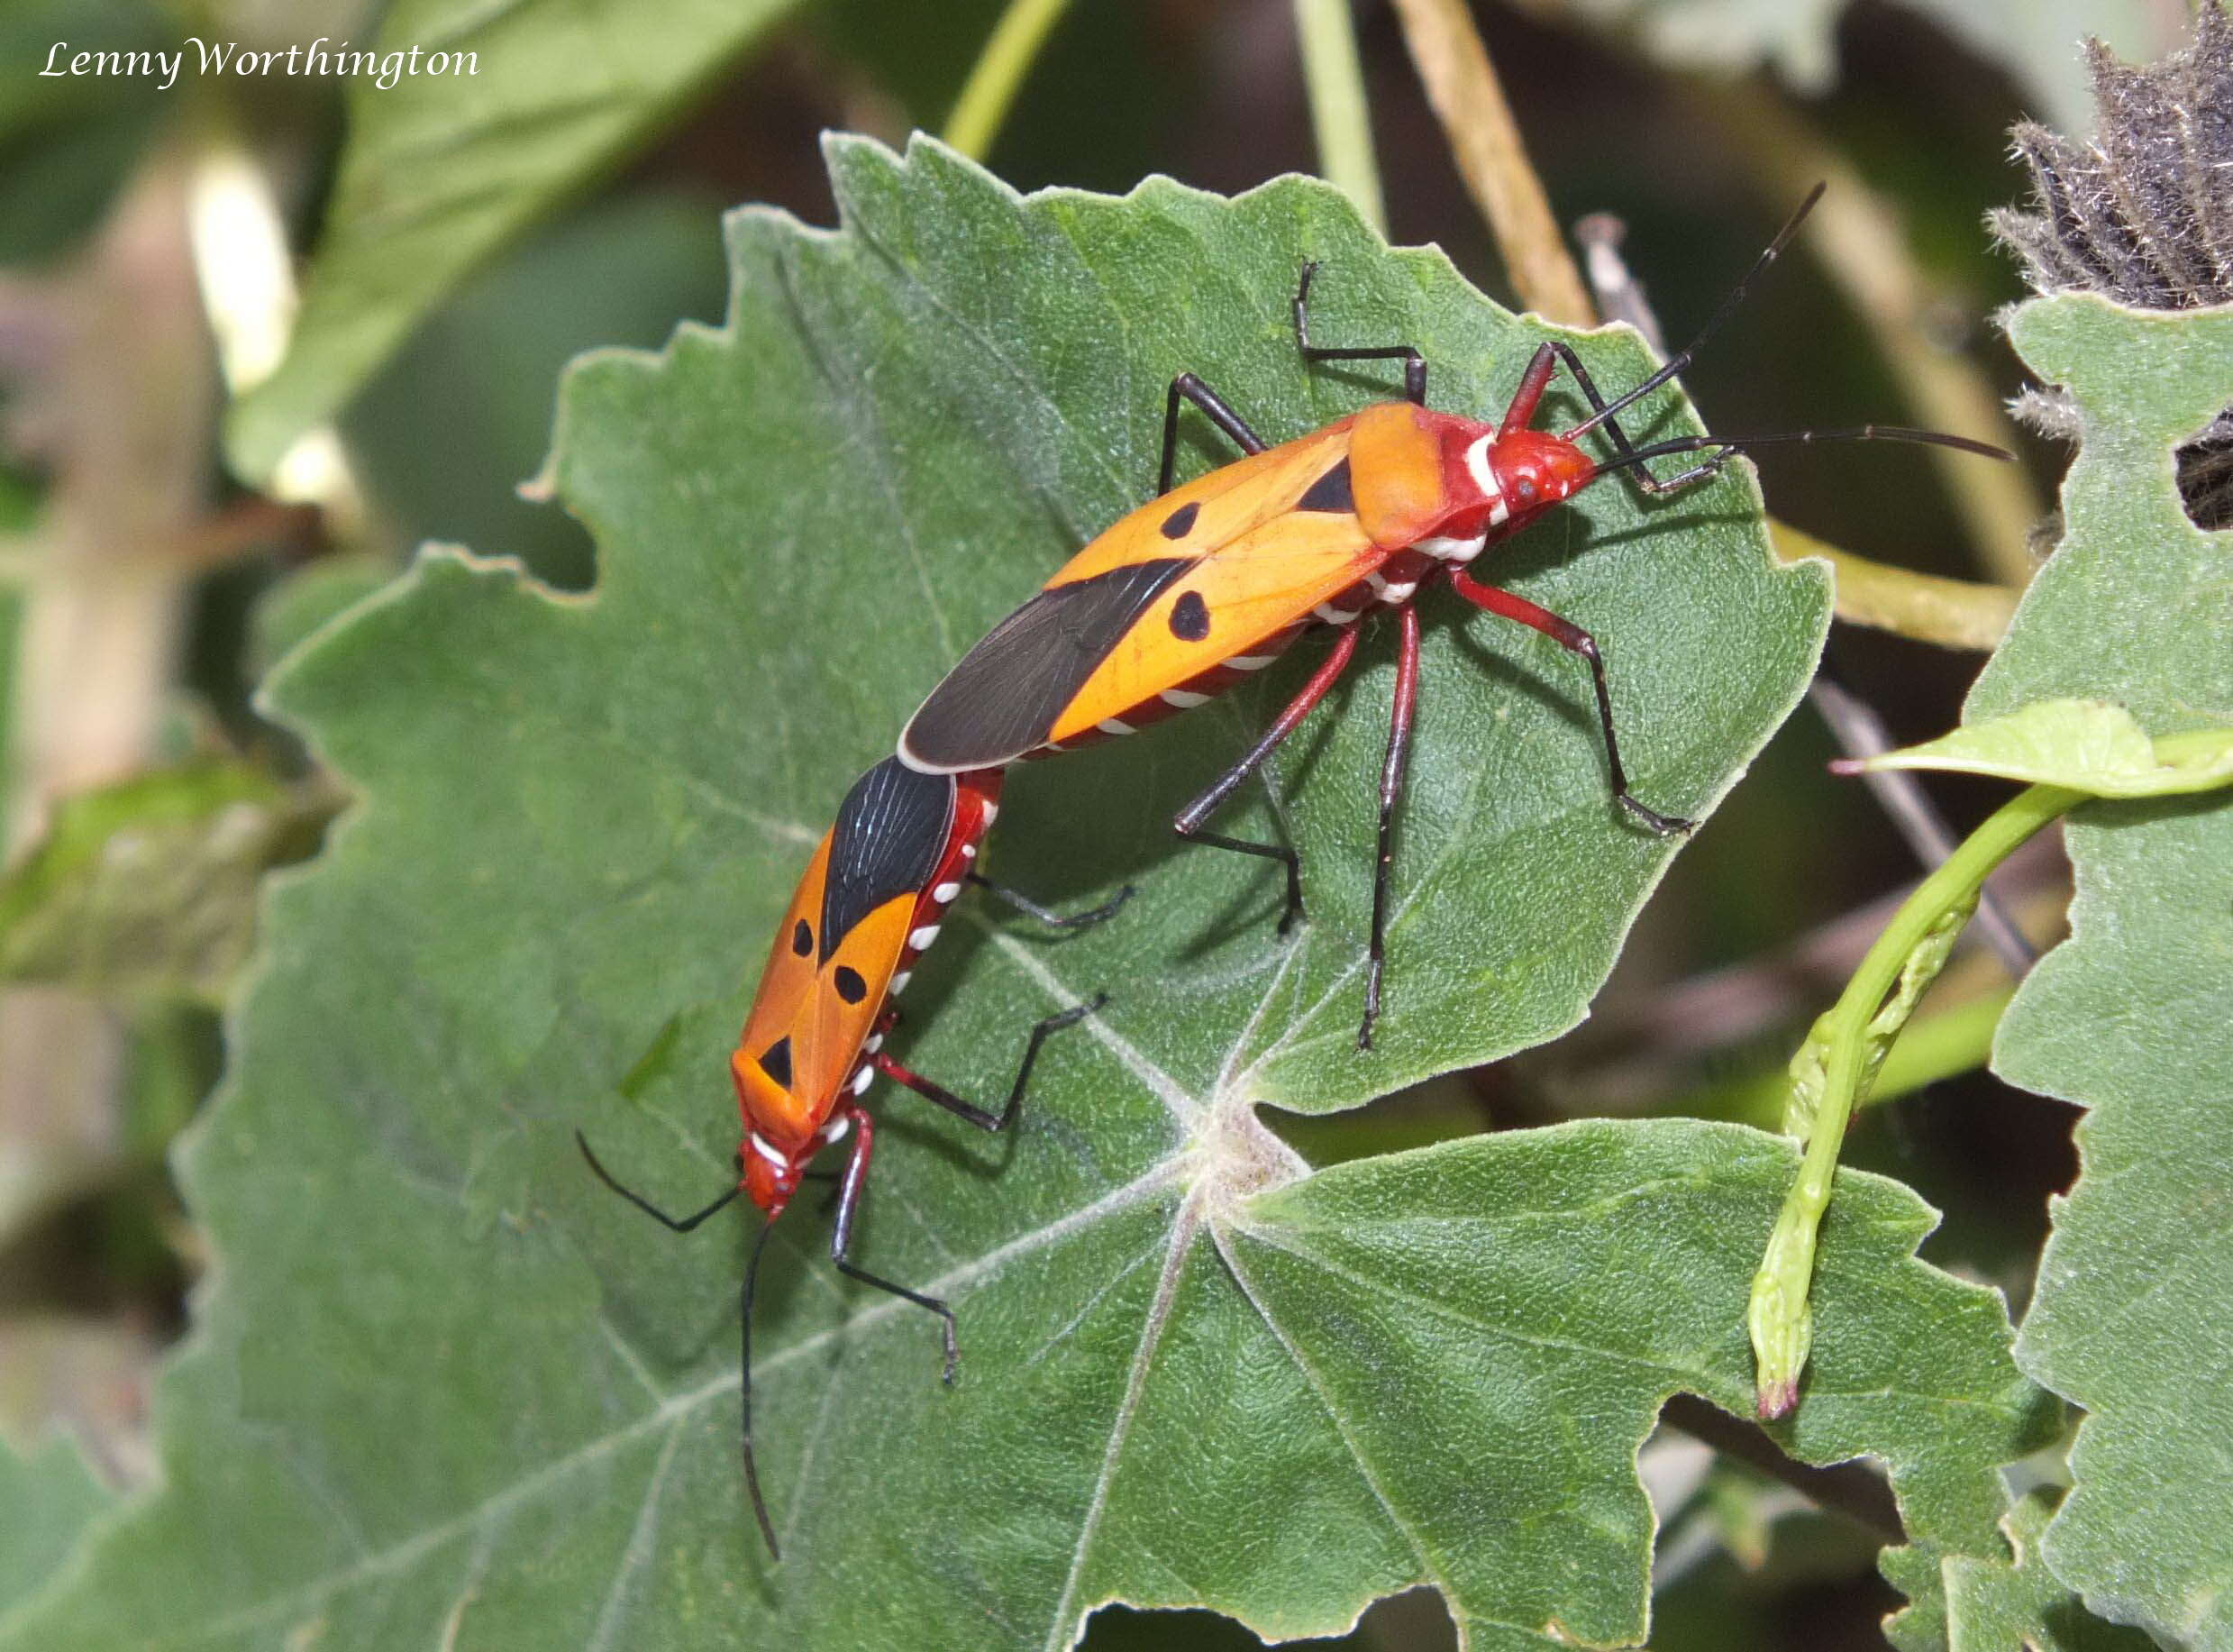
(2143, 215)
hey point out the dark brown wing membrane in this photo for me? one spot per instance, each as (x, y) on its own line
(1009, 689)
(888, 837)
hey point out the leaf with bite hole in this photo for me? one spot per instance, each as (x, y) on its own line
(2135, 1305)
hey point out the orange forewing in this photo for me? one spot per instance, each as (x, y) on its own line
(1262, 565)
(1249, 590)
(798, 1001)
(1229, 502)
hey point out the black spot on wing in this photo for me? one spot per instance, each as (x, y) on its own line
(890, 831)
(802, 938)
(1009, 691)
(1180, 522)
(850, 985)
(1330, 492)
(1190, 617)
(775, 1060)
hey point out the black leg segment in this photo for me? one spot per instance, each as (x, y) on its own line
(1392, 770)
(1046, 915)
(840, 1237)
(983, 1118)
(677, 1223)
(1413, 363)
(1186, 387)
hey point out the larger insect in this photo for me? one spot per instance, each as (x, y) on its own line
(870, 905)
(1189, 594)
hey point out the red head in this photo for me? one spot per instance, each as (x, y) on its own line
(1534, 469)
(771, 1175)
(1500, 479)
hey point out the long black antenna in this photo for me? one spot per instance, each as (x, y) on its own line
(1864, 432)
(1683, 358)
(745, 1376)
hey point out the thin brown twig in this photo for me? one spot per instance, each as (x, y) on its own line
(1468, 99)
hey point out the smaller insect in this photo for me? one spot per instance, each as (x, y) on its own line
(1189, 595)
(869, 905)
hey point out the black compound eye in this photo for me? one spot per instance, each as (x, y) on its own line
(802, 938)
(850, 985)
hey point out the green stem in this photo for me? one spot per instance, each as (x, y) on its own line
(1933, 1048)
(1340, 114)
(1849, 1043)
(1009, 52)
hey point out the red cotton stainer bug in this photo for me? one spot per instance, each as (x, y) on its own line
(869, 905)
(1189, 594)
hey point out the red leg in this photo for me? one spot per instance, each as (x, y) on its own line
(1574, 639)
(1406, 698)
(1189, 823)
(1521, 413)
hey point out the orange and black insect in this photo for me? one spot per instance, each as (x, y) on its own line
(870, 905)
(1189, 595)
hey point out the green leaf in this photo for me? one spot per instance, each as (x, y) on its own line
(149, 886)
(47, 1500)
(2082, 744)
(1995, 1604)
(2128, 1016)
(442, 169)
(446, 1387)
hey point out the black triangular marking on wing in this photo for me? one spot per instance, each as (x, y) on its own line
(1330, 492)
(775, 1060)
(1010, 689)
(889, 833)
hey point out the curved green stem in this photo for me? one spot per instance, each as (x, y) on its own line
(1340, 113)
(990, 91)
(1834, 1070)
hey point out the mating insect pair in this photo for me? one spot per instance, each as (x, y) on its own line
(1178, 601)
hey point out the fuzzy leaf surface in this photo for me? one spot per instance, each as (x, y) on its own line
(2134, 1308)
(448, 1390)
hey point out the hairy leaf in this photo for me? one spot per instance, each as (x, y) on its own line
(1994, 1604)
(447, 1390)
(443, 169)
(2128, 1017)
